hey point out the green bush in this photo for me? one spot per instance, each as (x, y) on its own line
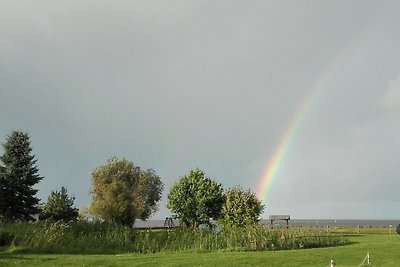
(240, 209)
(5, 238)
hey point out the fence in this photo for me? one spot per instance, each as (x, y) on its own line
(346, 229)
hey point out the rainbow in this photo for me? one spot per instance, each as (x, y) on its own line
(295, 124)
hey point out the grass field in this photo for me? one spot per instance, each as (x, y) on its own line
(383, 248)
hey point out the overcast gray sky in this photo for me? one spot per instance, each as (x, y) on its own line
(174, 85)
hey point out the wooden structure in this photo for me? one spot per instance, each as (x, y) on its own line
(168, 223)
(273, 218)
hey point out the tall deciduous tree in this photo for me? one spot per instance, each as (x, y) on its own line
(60, 207)
(18, 177)
(196, 199)
(241, 208)
(122, 192)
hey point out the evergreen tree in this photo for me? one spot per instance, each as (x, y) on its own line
(59, 207)
(17, 177)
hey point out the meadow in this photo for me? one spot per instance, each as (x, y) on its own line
(382, 246)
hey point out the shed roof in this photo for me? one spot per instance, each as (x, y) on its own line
(279, 217)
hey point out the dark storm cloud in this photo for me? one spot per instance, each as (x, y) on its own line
(184, 84)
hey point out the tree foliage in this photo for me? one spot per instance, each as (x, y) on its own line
(122, 192)
(195, 199)
(59, 207)
(241, 208)
(18, 176)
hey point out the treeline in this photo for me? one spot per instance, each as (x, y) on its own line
(18, 176)
(121, 193)
(196, 199)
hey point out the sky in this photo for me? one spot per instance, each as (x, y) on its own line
(177, 85)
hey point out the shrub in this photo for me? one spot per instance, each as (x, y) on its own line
(241, 208)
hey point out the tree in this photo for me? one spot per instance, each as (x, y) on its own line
(241, 208)
(122, 192)
(149, 190)
(59, 207)
(18, 177)
(195, 199)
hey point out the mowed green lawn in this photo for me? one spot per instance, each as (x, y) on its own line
(384, 250)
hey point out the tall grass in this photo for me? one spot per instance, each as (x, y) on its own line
(96, 237)
(247, 239)
(75, 237)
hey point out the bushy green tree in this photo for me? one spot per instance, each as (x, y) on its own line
(195, 199)
(18, 176)
(59, 207)
(122, 192)
(241, 208)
